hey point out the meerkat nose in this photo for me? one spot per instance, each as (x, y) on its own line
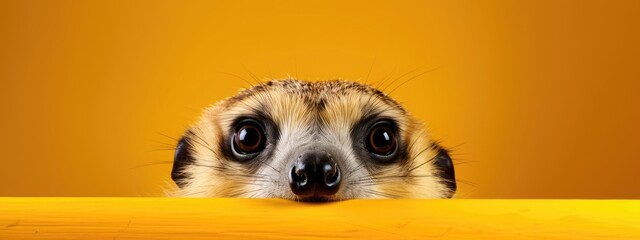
(315, 174)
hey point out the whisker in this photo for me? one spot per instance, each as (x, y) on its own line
(382, 81)
(400, 77)
(167, 136)
(151, 164)
(241, 78)
(379, 193)
(258, 81)
(414, 77)
(467, 183)
(370, 70)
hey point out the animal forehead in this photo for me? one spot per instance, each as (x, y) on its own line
(305, 87)
(313, 93)
(292, 104)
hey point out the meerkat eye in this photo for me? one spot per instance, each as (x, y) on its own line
(381, 139)
(248, 138)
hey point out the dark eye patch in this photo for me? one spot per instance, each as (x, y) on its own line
(248, 140)
(363, 145)
(444, 164)
(266, 144)
(181, 159)
(381, 139)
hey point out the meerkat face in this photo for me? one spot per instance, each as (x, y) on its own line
(311, 141)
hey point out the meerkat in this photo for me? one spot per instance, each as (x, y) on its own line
(311, 141)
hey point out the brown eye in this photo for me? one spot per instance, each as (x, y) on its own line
(248, 138)
(381, 139)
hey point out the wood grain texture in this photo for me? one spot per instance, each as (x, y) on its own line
(174, 218)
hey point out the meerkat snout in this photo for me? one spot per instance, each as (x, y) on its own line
(311, 141)
(314, 175)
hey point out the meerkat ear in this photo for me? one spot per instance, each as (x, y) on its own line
(181, 159)
(443, 163)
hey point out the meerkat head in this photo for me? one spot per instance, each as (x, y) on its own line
(311, 141)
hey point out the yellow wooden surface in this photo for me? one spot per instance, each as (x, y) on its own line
(173, 218)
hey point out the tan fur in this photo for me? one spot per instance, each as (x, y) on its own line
(288, 102)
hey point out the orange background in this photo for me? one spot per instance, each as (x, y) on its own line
(538, 99)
